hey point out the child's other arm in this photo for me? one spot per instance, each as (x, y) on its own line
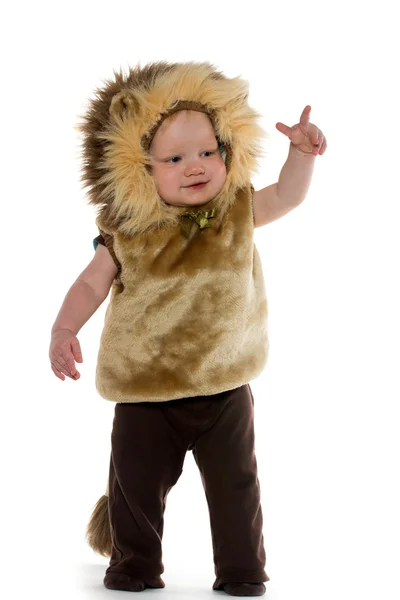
(276, 200)
(84, 297)
(306, 142)
(90, 289)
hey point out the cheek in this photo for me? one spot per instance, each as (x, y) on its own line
(168, 178)
(163, 178)
(221, 171)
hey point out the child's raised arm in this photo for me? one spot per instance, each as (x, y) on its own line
(82, 300)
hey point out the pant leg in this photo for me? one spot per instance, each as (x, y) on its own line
(146, 462)
(226, 459)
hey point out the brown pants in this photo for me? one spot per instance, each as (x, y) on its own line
(149, 442)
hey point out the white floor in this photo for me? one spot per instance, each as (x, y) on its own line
(89, 585)
(341, 585)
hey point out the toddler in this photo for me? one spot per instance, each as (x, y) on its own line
(168, 155)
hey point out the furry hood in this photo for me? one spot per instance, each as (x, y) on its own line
(124, 116)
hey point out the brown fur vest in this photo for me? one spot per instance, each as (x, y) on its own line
(188, 311)
(187, 315)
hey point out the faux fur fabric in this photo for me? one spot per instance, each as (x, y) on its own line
(98, 532)
(187, 316)
(122, 119)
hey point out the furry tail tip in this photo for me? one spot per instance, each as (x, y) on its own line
(98, 532)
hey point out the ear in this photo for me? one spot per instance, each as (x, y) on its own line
(124, 105)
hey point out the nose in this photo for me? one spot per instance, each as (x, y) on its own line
(194, 168)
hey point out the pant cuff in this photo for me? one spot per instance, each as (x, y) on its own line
(240, 577)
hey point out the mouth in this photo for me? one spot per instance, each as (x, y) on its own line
(197, 186)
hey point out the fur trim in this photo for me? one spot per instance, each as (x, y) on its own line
(123, 118)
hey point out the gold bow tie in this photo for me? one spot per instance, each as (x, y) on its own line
(200, 217)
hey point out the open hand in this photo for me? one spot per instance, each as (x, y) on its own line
(305, 136)
(64, 351)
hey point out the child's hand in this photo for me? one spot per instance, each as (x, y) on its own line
(64, 351)
(305, 136)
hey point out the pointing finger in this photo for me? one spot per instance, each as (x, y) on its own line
(305, 115)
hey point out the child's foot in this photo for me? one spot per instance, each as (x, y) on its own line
(244, 589)
(120, 581)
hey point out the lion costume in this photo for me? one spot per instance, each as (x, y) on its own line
(187, 316)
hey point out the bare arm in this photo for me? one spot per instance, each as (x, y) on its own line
(82, 300)
(90, 290)
(276, 200)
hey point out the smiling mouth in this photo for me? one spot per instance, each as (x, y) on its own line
(197, 185)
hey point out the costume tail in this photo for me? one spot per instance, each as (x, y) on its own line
(98, 532)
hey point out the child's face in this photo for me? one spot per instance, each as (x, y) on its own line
(184, 151)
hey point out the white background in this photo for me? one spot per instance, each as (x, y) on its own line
(327, 419)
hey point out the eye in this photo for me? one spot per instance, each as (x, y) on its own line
(208, 152)
(173, 159)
